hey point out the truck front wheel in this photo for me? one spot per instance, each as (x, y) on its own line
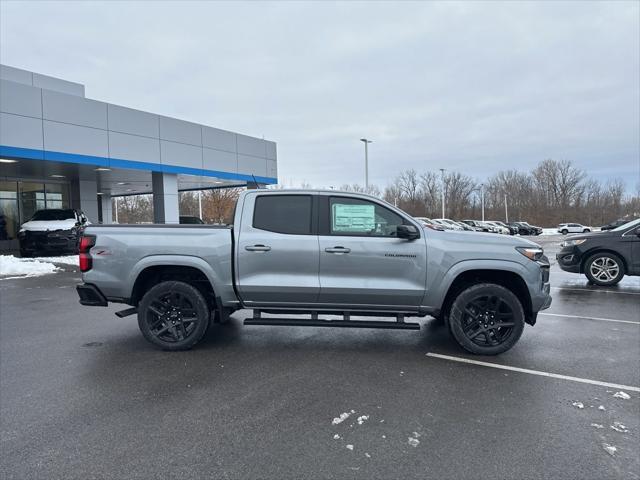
(173, 315)
(486, 319)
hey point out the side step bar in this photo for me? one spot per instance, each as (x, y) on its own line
(300, 322)
(126, 312)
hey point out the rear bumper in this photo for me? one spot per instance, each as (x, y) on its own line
(91, 296)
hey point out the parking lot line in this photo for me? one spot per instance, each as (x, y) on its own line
(594, 290)
(589, 318)
(534, 372)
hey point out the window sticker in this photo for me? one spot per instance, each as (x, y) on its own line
(353, 218)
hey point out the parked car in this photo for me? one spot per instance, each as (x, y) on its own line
(616, 224)
(453, 225)
(444, 225)
(481, 226)
(52, 232)
(190, 220)
(499, 228)
(525, 229)
(467, 228)
(368, 256)
(427, 222)
(604, 257)
(512, 230)
(565, 228)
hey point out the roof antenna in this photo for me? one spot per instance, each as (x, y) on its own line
(255, 182)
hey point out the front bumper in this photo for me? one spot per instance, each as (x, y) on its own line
(59, 241)
(541, 296)
(90, 295)
(569, 259)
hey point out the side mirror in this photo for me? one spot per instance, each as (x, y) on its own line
(407, 231)
(638, 231)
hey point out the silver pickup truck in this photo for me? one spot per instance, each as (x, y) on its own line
(295, 256)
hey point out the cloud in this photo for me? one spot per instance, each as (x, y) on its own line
(475, 87)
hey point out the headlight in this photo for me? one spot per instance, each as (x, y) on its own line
(572, 243)
(532, 253)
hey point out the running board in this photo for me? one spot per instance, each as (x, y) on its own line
(296, 322)
(126, 312)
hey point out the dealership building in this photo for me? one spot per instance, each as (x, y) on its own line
(59, 149)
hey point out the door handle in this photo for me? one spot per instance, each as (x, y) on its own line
(257, 248)
(337, 250)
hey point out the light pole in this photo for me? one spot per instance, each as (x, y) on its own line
(506, 211)
(482, 199)
(366, 162)
(442, 170)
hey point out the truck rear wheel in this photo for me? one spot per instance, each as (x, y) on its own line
(173, 315)
(486, 319)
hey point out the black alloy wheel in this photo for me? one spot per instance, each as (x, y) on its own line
(486, 319)
(173, 315)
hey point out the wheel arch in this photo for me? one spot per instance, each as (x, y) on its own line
(506, 278)
(158, 270)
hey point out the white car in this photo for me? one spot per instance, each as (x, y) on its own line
(565, 228)
(450, 224)
(499, 228)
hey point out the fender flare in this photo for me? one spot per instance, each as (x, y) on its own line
(173, 261)
(470, 265)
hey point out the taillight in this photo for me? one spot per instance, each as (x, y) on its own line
(86, 242)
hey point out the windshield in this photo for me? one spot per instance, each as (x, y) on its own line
(54, 214)
(631, 224)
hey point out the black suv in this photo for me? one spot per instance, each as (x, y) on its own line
(616, 224)
(525, 229)
(603, 257)
(53, 231)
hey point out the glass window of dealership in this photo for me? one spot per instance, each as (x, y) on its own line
(19, 200)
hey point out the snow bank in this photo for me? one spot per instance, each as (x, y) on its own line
(66, 260)
(24, 267)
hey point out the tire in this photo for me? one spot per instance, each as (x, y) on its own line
(564, 231)
(173, 316)
(604, 269)
(473, 319)
(586, 230)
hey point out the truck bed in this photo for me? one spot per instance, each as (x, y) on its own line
(122, 252)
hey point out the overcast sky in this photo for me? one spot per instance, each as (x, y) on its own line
(470, 86)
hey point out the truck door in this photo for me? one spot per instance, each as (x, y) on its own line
(277, 250)
(362, 262)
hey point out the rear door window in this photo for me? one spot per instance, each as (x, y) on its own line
(289, 214)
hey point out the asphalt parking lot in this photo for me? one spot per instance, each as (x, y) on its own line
(84, 396)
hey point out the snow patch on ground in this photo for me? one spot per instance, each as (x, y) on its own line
(362, 419)
(618, 427)
(610, 449)
(336, 437)
(601, 407)
(597, 425)
(414, 442)
(342, 417)
(24, 267)
(622, 395)
(578, 404)
(350, 447)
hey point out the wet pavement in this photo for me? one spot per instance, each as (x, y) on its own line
(84, 396)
